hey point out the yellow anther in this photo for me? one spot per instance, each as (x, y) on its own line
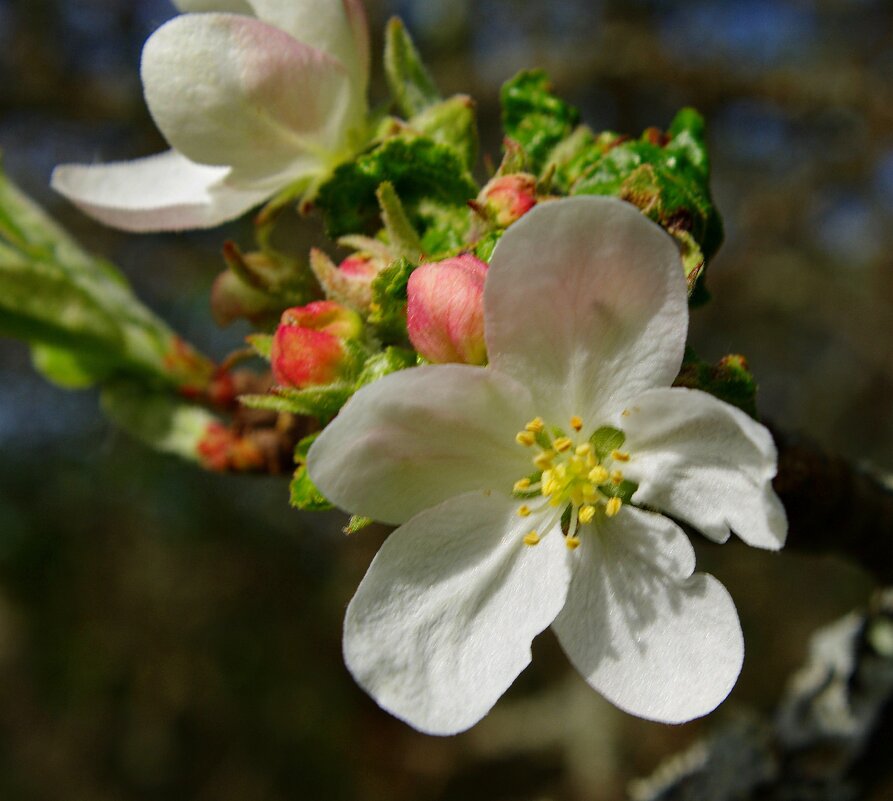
(612, 507)
(583, 450)
(616, 476)
(532, 538)
(626, 413)
(521, 485)
(525, 438)
(598, 474)
(524, 511)
(562, 444)
(572, 542)
(535, 426)
(619, 456)
(577, 465)
(586, 513)
(576, 423)
(544, 460)
(591, 461)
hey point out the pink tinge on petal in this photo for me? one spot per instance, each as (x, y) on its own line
(444, 313)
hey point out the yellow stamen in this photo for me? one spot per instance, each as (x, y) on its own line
(562, 444)
(576, 423)
(532, 538)
(583, 450)
(576, 495)
(544, 460)
(525, 438)
(524, 511)
(589, 492)
(535, 426)
(626, 413)
(572, 542)
(598, 474)
(619, 456)
(616, 476)
(586, 513)
(612, 507)
(521, 485)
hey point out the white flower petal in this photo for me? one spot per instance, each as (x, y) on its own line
(165, 192)
(199, 6)
(229, 90)
(417, 437)
(585, 304)
(653, 641)
(442, 623)
(337, 27)
(704, 462)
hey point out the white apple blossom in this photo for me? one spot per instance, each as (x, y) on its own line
(252, 102)
(586, 320)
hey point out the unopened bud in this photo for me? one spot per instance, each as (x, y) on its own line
(507, 198)
(445, 311)
(351, 281)
(309, 346)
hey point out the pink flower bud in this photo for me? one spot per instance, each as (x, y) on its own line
(445, 311)
(309, 345)
(508, 197)
(351, 281)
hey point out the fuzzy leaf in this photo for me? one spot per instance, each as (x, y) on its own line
(419, 169)
(452, 123)
(534, 117)
(412, 87)
(390, 360)
(322, 403)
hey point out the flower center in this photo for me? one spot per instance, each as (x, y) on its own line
(580, 474)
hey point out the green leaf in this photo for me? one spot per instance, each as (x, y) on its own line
(303, 492)
(54, 294)
(68, 369)
(412, 87)
(390, 360)
(534, 117)
(666, 175)
(729, 379)
(419, 169)
(159, 420)
(453, 123)
(605, 440)
(388, 315)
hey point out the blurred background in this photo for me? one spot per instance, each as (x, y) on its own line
(168, 634)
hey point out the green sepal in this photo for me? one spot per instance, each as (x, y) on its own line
(401, 234)
(420, 170)
(729, 379)
(453, 123)
(624, 490)
(606, 439)
(303, 493)
(485, 246)
(322, 403)
(261, 344)
(357, 523)
(412, 87)
(534, 117)
(390, 360)
(388, 315)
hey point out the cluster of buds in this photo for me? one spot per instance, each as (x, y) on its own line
(311, 346)
(445, 311)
